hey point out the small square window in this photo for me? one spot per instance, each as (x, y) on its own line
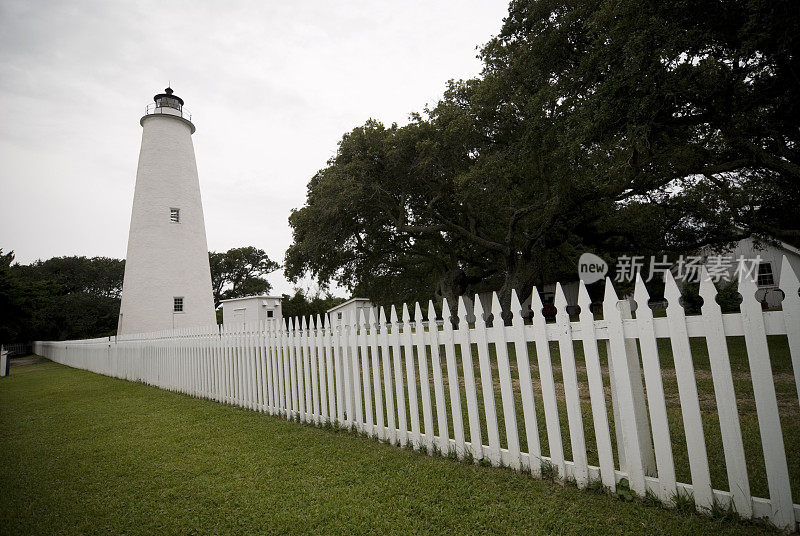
(175, 215)
(765, 277)
(177, 305)
(270, 314)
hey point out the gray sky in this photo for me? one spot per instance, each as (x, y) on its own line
(272, 87)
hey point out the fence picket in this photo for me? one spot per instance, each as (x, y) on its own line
(311, 344)
(363, 328)
(617, 355)
(526, 386)
(349, 381)
(387, 377)
(411, 376)
(755, 338)
(651, 366)
(687, 391)
(498, 332)
(791, 316)
(327, 342)
(594, 376)
(730, 428)
(398, 379)
(424, 378)
(548, 385)
(376, 376)
(487, 384)
(322, 363)
(571, 394)
(339, 371)
(452, 380)
(476, 443)
(438, 385)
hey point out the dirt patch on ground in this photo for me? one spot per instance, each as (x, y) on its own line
(25, 360)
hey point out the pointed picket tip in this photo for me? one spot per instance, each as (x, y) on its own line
(371, 318)
(610, 298)
(406, 315)
(327, 317)
(431, 315)
(560, 300)
(393, 314)
(584, 301)
(497, 309)
(382, 317)
(418, 314)
(319, 321)
(671, 292)
(640, 293)
(462, 308)
(447, 316)
(789, 283)
(536, 301)
(360, 318)
(478, 310)
(708, 291)
(516, 306)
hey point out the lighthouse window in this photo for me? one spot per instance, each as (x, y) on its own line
(177, 305)
(175, 215)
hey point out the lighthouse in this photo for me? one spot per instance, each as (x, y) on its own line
(167, 280)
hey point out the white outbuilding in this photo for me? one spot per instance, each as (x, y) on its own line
(342, 313)
(768, 268)
(251, 310)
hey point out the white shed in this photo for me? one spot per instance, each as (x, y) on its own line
(342, 313)
(251, 309)
(769, 269)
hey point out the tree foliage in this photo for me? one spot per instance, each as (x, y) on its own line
(79, 297)
(301, 305)
(59, 298)
(240, 272)
(613, 127)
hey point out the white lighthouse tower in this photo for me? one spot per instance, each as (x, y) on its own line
(167, 277)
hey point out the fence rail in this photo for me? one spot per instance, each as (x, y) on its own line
(497, 392)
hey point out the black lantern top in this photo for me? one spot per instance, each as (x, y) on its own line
(168, 99)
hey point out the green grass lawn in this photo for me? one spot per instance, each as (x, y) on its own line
(82, 453)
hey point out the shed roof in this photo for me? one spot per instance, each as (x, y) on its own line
(348, 302)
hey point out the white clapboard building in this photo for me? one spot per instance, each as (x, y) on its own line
(342, 313)
(768, 273)
(251, 310)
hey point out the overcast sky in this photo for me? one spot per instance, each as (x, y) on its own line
(272, 86)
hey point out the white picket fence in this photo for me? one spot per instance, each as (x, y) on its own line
(369, 375)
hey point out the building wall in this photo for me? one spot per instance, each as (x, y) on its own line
(343, 314)
(251, 311)
(769, 254)
(165, 259)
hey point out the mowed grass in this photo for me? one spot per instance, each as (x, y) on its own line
(81, 453)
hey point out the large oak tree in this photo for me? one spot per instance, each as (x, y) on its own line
(611, 126)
